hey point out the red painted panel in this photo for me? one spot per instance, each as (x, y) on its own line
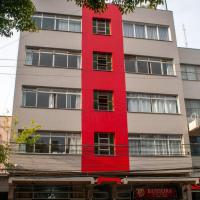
(97, 121)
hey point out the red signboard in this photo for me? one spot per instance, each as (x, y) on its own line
(155, 193)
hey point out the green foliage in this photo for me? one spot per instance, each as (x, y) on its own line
(123, 5)
(28, 135)
(4, 153)
(16, 14)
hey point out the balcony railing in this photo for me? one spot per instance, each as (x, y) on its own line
(119, 150)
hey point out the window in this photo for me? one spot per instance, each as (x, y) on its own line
(192, 108)
(29, 98)
(104, 143)
(155, 145)
(57, 22)
(146, 31)
(102, 61)
(46, 59)
(101, 26)
(152, 32)
(146, 65)
(195, 145)
(150, 103)
(53, 143)
(51, 98)
(128, 29)
(48, 22)
(53, 58)
(190, 72)
(139, 31)
(163, 33)
(103, 100)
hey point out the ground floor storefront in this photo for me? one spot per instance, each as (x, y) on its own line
(89, 188)
(97, 192)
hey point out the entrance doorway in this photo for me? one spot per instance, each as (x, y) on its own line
(111, 192)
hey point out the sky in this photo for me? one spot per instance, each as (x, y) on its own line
(185, 12)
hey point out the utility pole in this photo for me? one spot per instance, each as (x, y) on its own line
(185, 36)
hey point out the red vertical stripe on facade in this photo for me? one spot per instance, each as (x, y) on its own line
(100, 121)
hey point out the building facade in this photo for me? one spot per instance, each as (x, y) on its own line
(108, 93)
(5, 129)
(190, 62)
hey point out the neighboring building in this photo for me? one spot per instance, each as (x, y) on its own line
(108, 93)
(5, 128)
(190, 69)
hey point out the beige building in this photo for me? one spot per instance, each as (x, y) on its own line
(49, 88)
(5, 127)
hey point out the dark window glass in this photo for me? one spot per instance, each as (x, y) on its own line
(143, 67)
(73, 61)
(37, 21)
(156, 68)
(103, 101)
(30, 98)
(43, 100)
(130, 65)
(46, 59)
(57, 145)
(48, 24)
(61, 100)
(42, 145)
(60, 60)
(35, 58)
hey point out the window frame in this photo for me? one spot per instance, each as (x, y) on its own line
(51, 135)
(166, 99)
(95, 26)
(40, 51)
(146, 25)
(53, 97)
(108, 60)
(109, 103)
(139, 149)
(56, 17)
(149, 60)
(185, 73)
(109, 146)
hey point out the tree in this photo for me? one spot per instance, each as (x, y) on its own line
(27, 136)
(16, 14)
(123, 5)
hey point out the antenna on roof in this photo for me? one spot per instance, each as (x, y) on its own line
(185, 36)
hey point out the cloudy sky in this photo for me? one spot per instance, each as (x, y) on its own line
(185, 12)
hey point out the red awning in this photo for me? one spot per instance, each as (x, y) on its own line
(104, 180)
(195, 187)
